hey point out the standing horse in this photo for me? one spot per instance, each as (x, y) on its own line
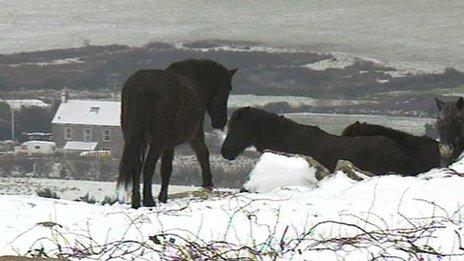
(161, 109)
(450, 126)
(254, 127)
(424, 150)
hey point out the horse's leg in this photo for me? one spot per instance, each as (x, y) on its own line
(129, 170)
(135, 197)
(201, 151)
(148, 171)
(166, 170)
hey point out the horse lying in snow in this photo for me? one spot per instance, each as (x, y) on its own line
(424, 150)
(263, 130)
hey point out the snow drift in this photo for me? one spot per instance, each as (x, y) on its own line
(275, 171)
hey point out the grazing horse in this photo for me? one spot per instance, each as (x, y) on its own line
(161, 109)
(450, 126)
(424, 150)
(250, 126)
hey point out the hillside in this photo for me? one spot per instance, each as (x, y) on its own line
(263, 70)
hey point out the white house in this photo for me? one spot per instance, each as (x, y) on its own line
(87, 125)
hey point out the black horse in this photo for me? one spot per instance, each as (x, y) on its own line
(162, 109)
(250, 126)
(450, 126)
(424, 150)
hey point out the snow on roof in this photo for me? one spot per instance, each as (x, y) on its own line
(88, 112)
(17, 104)
(37, 133)
(39, 142)
(80, 145)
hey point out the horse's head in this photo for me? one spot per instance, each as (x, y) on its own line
(217, 101)
(450, 126)
(242, 131)
(352, 130)
(216, 80)
(216, 83)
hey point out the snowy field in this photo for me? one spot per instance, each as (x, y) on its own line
(240, 100)
(69, 189)
(418, 218)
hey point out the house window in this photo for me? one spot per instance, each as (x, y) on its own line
(94, 109)
(68, 133)
(87, 135)
(107, 135)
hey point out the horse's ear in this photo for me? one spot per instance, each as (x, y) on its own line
(439, 103)
(356, 125)
(232, 72)
(460, 103)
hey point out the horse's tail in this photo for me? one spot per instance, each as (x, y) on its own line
(134, 126)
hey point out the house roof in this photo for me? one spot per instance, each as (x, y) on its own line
(38, 142)
(80, 145)
(88, 112)
(18, 104)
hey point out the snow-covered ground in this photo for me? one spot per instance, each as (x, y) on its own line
(54, 62)
(340, 61)
(69, 189)
(334, 219)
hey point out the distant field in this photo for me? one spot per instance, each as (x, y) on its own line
(335, 123)
(261, 100)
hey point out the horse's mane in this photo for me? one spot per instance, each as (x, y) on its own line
(272, 118)
(393, 133)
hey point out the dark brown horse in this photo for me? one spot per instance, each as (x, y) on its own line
(424, 150)
(450, 126)
(254, 127)
(162, 109)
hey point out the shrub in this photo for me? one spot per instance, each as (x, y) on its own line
(87, 198)
(46, 193)
(108, 200)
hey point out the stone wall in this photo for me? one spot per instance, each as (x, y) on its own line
(186, 170)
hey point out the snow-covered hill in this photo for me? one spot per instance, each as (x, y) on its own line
(337, 218)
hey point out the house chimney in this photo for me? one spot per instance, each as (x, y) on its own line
(64, 95)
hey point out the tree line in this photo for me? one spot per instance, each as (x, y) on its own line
(27, 119)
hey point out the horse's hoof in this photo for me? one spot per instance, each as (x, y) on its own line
(136, 205)
(149, 203)
(208, 188)
(163, 199)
